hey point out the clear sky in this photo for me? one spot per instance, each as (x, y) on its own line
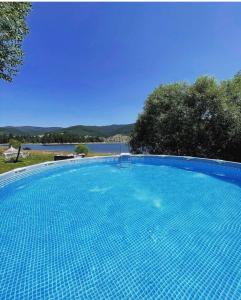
(95, 63)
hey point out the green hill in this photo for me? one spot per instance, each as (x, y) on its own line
(27, 130)
(101, 131)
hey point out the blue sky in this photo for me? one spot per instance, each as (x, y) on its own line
(95, 63)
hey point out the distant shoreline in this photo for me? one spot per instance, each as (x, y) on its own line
(56, 144)
(70, 147)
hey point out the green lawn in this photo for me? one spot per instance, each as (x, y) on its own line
(35, 158)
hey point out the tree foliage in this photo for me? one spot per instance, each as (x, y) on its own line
(49, 138)
(13, 29)
(15, 143)
(68, 138)
(202, 119)
(82, 149)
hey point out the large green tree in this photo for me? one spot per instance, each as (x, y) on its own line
(202, 119)
(13, 29)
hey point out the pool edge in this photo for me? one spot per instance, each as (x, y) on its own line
(48, 163)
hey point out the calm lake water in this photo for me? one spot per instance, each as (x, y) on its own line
(97, 148)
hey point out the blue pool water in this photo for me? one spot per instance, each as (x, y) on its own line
(141, 229)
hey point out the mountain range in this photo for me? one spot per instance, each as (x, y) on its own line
(83, 130)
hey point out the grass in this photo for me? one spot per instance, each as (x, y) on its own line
(35, 158)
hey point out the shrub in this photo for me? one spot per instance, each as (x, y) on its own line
(82, 149)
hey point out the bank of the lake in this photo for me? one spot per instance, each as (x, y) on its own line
(94, 147)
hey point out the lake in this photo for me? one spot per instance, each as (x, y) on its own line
(97, 148)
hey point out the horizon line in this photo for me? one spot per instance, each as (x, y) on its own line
(58, 126)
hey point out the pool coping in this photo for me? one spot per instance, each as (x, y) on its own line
(23, 172)
(48, 163)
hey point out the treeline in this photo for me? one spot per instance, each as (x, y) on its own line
(200, 119)
(51, 138)
(69, 138)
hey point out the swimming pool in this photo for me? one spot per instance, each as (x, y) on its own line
(135, 227)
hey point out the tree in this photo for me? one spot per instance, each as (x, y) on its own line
(16, 144)
(13, 29)
(202, 119)
(82, 149)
